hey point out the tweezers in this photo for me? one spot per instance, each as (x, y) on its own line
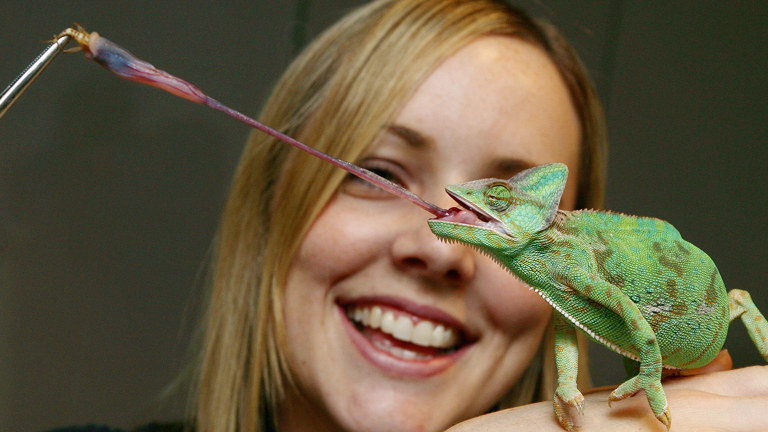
(20, 84)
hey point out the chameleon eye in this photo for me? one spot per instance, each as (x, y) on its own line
(498, 198)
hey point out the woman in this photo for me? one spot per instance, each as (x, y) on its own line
(332, 305)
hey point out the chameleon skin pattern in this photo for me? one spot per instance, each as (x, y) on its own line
(630, 283)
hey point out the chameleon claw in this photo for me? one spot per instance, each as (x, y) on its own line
(665, 417)
(565, 421)
(562, 405)
(614, 397)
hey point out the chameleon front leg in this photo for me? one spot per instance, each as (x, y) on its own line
(567, 363)
(741, 306)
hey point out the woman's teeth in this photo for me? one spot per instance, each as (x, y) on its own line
(401, 327)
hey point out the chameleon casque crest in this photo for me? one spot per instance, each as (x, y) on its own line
(630, 283)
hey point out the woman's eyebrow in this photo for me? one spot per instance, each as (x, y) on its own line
(503, 167)
(508, 167)
(412, 137)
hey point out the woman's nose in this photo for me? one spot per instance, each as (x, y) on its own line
(418, 252)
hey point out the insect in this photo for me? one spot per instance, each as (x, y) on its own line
(630, 283)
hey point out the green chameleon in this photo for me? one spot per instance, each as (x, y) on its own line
(630, 283)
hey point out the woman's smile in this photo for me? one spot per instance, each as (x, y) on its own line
(384, 329)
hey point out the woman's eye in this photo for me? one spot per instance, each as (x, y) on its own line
(387, 170)
(383, 172)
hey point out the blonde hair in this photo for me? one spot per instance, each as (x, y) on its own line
(336, 96)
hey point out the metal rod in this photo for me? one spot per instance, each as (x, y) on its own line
(20, 84)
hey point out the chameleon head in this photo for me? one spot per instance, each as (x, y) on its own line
(501, 216)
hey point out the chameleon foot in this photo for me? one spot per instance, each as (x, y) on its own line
(567, 396)
(653, 391)
(665, 417)
(741, 306)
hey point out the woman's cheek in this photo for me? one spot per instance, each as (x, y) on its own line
(342, 239)
(509, 302)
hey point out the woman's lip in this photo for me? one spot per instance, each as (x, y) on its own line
(393, 365)
(396, 365)
(418, 310)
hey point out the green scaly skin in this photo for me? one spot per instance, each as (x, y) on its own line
(630, 283)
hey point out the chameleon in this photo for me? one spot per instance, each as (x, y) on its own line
(630, 283)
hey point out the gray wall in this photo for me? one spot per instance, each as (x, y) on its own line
(110, 191)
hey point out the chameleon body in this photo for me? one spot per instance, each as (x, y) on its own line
(630, 283)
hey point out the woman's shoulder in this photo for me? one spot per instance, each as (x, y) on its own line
(150, 427)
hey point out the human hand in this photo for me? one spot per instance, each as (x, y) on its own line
(714, 399)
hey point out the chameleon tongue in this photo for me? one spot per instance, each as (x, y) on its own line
(121, 62)
(458, 215)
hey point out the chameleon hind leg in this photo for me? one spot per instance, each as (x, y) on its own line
(567, 395)
(621, 313)
(741, 306)
(643, 338)
(648, 377)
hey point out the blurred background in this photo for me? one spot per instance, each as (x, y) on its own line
(110, 191)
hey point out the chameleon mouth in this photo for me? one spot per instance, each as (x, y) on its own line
(470, 212)
(471, 215)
